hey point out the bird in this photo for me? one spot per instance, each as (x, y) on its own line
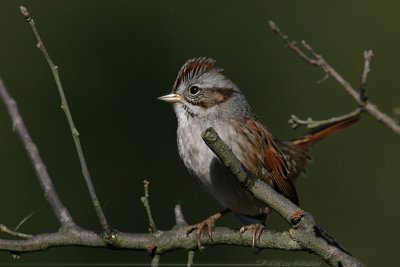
(202, 97)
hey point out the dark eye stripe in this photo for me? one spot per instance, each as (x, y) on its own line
(215, 96)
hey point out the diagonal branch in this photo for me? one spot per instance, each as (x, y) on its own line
(74, 131)
(50, 193)
(315, 59)
(305, 230)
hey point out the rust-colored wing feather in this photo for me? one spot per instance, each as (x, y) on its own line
(277, 171)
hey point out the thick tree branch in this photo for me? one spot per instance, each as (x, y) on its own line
(50, 193)
(67, 112)
(316, 59)
(305, 230)
(162, 242)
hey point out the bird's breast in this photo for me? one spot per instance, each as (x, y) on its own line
(207, 169)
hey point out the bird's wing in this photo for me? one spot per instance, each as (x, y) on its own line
(273, 161)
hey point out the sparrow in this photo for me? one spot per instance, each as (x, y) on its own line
(203, 97)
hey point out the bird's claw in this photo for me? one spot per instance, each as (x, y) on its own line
(257, 229)
(208, 224)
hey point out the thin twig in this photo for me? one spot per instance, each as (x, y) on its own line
(296, 122)
(190, 260)
(316, 59)
(364, 75)
(155, 261)
(181, 222)
(25, 219)
(74, 131)
(146, 204)
(46, 183)
(179, 218)
(292, 45)
(6, 230)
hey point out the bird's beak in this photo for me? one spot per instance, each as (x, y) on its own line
(170, 98)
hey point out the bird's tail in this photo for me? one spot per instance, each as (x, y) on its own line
(297, 150)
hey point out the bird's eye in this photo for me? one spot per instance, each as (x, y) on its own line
(194, 90)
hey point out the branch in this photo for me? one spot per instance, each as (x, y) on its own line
(190, 258)
(161, 243)
(47, 185)
(316, 59)
(296, 122)
(364, 76)
(180, 221)
(74, 131)
(152, 225)
(155, 260)
(179, 218)
(309, 235)
(146, 204)
(6, 230)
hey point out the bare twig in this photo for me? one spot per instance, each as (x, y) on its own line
(316, 59)
(25, 219)
(146, 204)
(155, 260)
(6, 230)
(364, 75)
(74, 131)
(190, 260)
(292, 45)
(181, 222)
(304, 229)
(46, 183)
(296, 122)
(179, 218)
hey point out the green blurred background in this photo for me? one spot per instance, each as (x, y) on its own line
(116, 57)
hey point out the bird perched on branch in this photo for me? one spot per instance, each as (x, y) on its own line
(203, 97)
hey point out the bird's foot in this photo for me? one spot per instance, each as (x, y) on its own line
(208, 224)
(257, 229)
